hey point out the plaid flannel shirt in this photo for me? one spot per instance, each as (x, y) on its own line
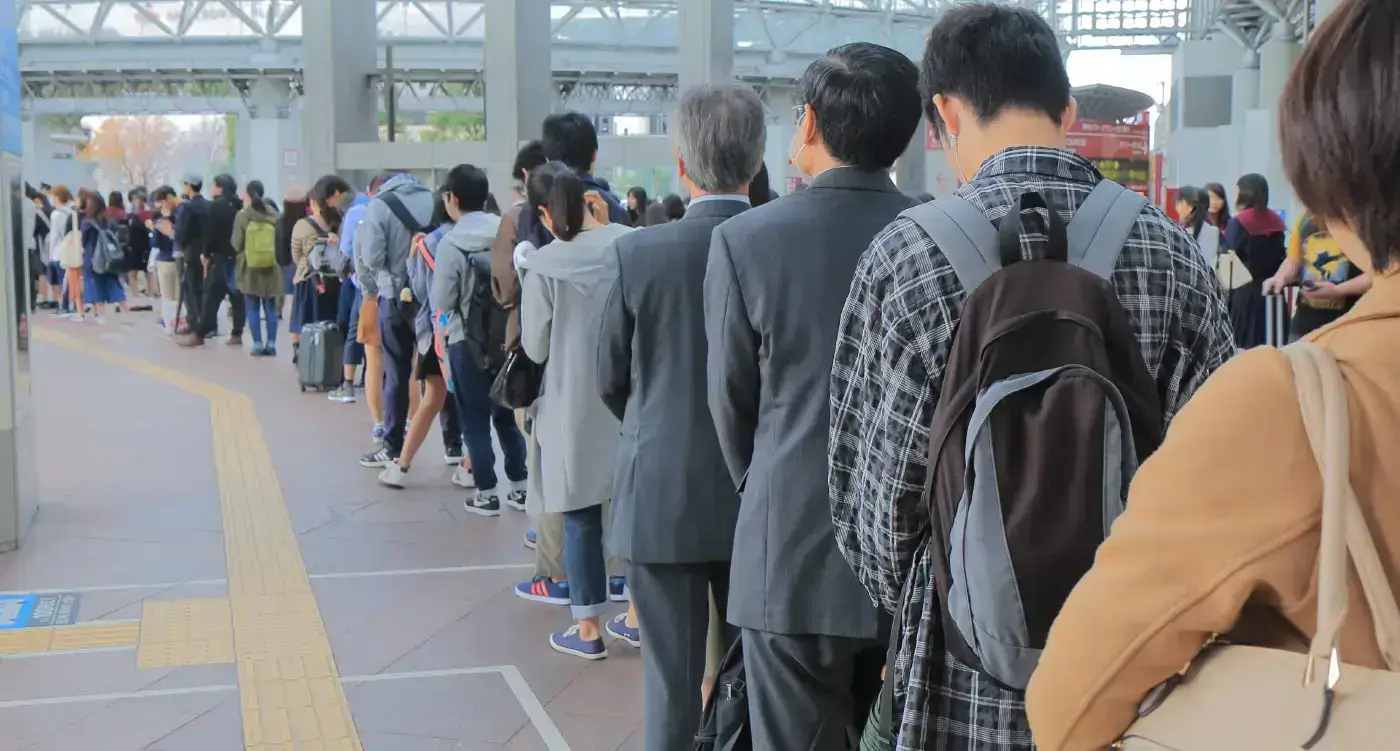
(896, 333)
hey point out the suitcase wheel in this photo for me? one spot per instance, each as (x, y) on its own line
(303, 388)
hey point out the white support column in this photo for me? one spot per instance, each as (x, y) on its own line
(519, 83)
(780, 131)
(267, 121)
(340, 51)
(706, 34)
(1275, 63)
(1245, 87)
(911, 174)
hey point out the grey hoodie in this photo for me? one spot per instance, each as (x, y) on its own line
(382, 242)
(452, 281)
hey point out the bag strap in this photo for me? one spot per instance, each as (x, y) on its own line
(1322, 398)
(401, 211)
(1096, 233)
(963, 234)
(1101, 226)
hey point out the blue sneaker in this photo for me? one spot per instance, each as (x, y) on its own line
(618, 629)
(618, 591)
(570, 643)
(543, 589)
(530, 539)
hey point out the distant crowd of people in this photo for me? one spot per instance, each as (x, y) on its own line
(975, 472)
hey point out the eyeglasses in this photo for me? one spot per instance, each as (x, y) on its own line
(798, 112)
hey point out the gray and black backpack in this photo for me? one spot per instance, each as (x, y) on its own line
(1046, 411)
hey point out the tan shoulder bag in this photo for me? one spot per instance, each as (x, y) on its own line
(1235, 698)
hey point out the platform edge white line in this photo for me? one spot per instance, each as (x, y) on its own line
(81, 699)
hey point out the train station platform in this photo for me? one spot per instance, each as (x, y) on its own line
(211, 570)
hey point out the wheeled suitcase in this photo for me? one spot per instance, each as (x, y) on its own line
(320, 364)
(1278, 317)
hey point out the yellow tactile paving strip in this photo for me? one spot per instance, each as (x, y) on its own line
(177, 633)
(68, 638)
(290, 688)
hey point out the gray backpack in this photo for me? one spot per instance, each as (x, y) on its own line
(1046, 410)
(110, 255)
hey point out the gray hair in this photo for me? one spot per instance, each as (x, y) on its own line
(721, 135)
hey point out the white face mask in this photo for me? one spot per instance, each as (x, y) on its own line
(794, 154)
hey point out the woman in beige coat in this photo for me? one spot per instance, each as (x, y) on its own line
(1221, 532)
(314, 296)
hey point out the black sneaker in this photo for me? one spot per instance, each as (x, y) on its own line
(380, 457)
(484, 503)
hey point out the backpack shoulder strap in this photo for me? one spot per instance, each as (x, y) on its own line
(1101, 226)
(963, 234)
(401, 211)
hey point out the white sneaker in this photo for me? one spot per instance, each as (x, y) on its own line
(515, 495)
(484, 504)
(393, 476)
(462, 477)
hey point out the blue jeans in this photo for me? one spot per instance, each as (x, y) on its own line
(583, 561)
(400, 342)
(349, 320)
(260, 309)
(472, 391)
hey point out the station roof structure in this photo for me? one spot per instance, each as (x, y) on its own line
(162, 55)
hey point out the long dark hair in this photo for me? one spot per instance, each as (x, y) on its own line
(760, 190)
(330, 213)
(640, 195)
(1199, 201)
(94, 208)
(255, 196)
(557, 188)
(1220, 218)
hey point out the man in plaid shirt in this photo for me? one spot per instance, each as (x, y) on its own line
(995, 87)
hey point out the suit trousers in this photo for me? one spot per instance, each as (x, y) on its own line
(549, 544)
(400, 342)
(673, 610)
(810, 692)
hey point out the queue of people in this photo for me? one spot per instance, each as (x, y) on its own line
(975, 472)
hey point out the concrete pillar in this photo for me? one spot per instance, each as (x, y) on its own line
(38, 149)
(1245, 90)
(1275, 62)
(268, 109)
(519, 82)
(706, 36)
(911, 174)
(340, 51)
(781, 127)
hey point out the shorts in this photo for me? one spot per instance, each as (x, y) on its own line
(427, 365)
(55, 273)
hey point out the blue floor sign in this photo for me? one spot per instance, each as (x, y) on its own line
(31, 611)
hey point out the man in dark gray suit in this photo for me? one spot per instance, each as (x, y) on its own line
(774, 287)
(674, 502)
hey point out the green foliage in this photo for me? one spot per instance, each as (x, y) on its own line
(455, 126)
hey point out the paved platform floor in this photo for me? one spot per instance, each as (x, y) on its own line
(242, 583)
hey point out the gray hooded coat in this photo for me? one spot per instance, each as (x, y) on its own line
(452, 282)
(382, 242)
(564, 289)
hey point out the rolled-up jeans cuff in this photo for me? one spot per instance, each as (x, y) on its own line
(590, 611)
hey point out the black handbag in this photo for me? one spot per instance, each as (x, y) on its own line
(518, 384)
(724, 723)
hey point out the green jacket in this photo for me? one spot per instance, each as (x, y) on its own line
(255, 282)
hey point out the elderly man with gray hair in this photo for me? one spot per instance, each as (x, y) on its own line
(674, 502)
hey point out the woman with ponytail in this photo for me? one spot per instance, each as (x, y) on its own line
(564, 287)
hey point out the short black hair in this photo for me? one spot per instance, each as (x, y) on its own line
(570, 137)
(114, 200)
(1252, 192)
(866, 101)
(1338, 138)
(530, 156)
(468, 184)
(162, 193)
(675, 207)
(328, 186)
(994, 57)
(227, 185)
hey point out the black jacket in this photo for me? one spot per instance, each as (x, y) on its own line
(191, 231)
(219, 235)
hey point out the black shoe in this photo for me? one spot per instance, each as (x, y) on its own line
(380, 457)
(486, 503)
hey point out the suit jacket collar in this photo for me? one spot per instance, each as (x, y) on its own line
(722, 208)
(854, 178)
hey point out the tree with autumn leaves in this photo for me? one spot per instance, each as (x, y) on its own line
(133, 150)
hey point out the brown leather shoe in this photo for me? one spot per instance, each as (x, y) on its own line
(189, 340)
(235, 340)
